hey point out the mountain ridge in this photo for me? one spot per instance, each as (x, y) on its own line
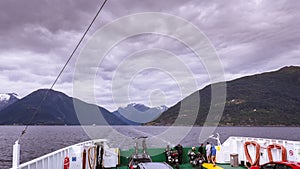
(57, 109)
(138, 113)
(7, 99)
(263, 99)
(60, 109)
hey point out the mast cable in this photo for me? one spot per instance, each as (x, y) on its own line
(65, 65)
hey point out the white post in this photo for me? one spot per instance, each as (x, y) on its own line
(16, 155)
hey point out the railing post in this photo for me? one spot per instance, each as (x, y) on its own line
(16, 155)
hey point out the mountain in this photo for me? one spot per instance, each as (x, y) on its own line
(7, 99)
(56, 109)
(267, 99)
(144, 108)
(138, 113)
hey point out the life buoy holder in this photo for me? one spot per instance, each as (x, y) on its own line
(257, 155)
(92, 156)
(277, 146)
(67, 163)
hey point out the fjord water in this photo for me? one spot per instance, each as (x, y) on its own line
(40, 140)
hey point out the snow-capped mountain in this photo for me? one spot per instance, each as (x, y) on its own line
(7, 99)
(57, 109)
(143, 108)
(140, 113)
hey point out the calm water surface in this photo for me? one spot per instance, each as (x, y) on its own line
(40, 140)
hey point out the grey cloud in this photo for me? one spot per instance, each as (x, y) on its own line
(55, 15)
(37, 36)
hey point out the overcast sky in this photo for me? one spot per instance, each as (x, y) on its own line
(37, 37)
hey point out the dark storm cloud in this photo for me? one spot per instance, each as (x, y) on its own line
(55, 15)
(251, 36)
(42, 26)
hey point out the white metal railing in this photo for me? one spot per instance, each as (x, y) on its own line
(55, 159)
(235, 145)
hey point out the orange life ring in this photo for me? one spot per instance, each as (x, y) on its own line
(66, 163)
(277, 146)
(257, 156)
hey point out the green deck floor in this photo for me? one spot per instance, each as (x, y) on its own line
(158, 155)
(188, 166)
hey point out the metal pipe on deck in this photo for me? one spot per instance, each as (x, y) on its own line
(144, 145)
(136, 149)
(16, 155)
